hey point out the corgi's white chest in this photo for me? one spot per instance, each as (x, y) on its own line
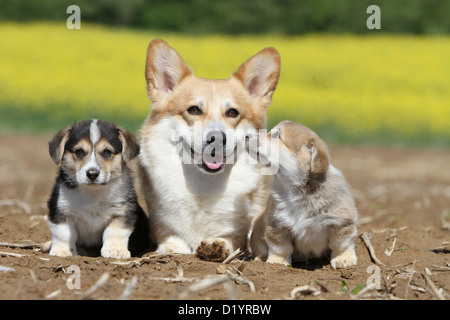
(191, 200)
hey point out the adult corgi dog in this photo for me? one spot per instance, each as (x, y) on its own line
(311, 212)
(195, 177)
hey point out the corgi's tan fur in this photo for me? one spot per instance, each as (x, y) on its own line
(311, 212)
(196, 204)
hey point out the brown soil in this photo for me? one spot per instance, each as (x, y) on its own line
(401, 194)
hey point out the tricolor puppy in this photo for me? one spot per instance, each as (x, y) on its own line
(311, 212)
(196, 178)
(93, 204)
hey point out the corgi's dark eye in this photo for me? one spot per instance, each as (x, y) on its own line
(194, 110)
(80, 153)
(232, 113)
(106, 154)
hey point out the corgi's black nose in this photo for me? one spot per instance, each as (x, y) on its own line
(92, 174)
(220, 136)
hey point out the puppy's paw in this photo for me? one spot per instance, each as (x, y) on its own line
(279, 260)
(344, 260)
(215, 249)
(115, 253)
(62, 251)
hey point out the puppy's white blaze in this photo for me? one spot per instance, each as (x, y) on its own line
(94, 136)
(92, 162)
(94, 132)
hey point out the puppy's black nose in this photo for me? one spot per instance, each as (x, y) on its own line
(92, 174)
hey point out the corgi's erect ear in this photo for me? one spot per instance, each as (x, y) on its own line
(260, 75)
(130, 148)
(164, 70)
(57, 144)
(319, 156)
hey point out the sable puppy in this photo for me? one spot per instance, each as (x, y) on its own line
(93, 204)
(311, 212)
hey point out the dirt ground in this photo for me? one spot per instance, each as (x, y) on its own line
(403, 196)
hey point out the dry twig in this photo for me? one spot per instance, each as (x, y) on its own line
(6, 269)
(240, 279)
(236, 253)
(366, 238)
(129, 289)
(53, 294)
(304, 291)
(440, 268)
(410, 278)
(100, 283)
(433, 287)
(388, 251)
(15, 202)
(10, 254)
(202, 284)
(30, 245)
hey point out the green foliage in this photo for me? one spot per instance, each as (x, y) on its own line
(356, 290)
(242, 17)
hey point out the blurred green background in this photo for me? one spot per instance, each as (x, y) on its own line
(237, 16)
(349, 83)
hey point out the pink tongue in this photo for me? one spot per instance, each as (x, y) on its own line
(216, 164)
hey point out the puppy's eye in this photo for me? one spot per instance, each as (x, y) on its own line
(80, 153)
(232, 113)
(106, 153)
(194, 110)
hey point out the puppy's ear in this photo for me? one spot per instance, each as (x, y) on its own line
(57, 144)
(319, 156)
(130, 148)
(260, 75)
(164, 70)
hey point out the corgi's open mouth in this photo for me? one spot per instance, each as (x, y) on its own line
(210, 162)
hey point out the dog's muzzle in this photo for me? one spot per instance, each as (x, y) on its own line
(214, 151)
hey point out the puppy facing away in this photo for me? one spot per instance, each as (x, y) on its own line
(310, 212)
(93, 204)
(194, 174)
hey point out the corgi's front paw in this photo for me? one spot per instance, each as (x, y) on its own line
(174, 244)
(215, 249)
(344, 260)
(115, 253)
(279, 260)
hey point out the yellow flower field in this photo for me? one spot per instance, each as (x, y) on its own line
(349, 88)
